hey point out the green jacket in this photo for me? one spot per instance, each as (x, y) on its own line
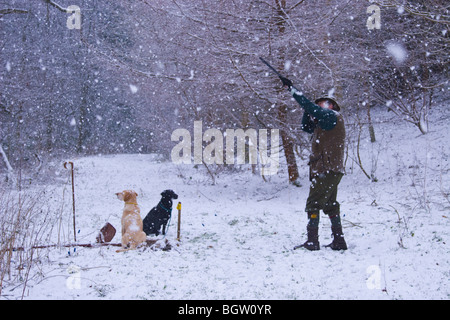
(328, 140)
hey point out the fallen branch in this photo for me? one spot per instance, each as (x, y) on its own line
(352, 223)
(85, 245)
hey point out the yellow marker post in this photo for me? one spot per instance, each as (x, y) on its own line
(179, 220)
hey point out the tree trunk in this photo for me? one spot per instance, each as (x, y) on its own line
(288, 146)
(82, 121)
(9, 169)
(288, 143)
(369, 117)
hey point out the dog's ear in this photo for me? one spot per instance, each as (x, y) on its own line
(127, 195)
(120, 196)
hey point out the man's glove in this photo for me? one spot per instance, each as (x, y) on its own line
(286, 82)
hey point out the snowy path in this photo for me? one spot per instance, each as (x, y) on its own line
(236, 245)
(237, 235)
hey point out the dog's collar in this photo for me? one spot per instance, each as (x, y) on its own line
(162, 207)
(131, 203)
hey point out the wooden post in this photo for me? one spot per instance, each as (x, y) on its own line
(179, 220)
(73, 200)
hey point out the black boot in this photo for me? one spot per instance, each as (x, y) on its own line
(338, 239)
(312, 244)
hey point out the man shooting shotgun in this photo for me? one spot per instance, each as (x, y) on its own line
(323, 120)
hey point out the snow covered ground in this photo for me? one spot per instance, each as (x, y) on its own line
(237, 235)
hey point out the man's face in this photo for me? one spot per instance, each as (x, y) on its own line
(325, 104)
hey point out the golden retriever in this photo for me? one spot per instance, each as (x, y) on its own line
(132, 234)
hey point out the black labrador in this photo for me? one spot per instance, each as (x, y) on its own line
(160, 215)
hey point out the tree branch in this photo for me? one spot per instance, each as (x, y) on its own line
(11, 10)
(57, 6)
(428, 15)
(295, 5)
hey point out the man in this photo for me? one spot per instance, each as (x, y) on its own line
(326, 124)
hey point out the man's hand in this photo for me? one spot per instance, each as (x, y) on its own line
(286, 82)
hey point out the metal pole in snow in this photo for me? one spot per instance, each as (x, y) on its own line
(73, 199)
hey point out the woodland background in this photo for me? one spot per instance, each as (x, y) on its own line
(137, 70)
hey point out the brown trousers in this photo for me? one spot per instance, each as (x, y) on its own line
(323, 193)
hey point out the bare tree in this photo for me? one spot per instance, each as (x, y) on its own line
(140, 69)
